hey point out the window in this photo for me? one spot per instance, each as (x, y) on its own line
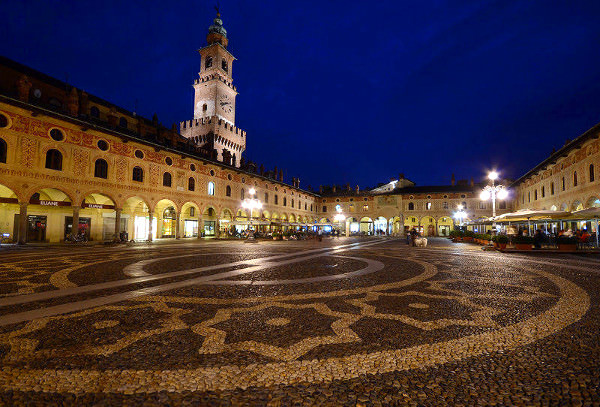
(228, 191)
(57, 135)
(54, 160)
(191, 184)
(543, 191)
(529, 196)
(535, 195)
(266, 197)
(243, 194)
(94, 112)
(208, 62)
(123, 122)
(284, 201)
(3, 151)
(3, 121)
(428, 206)
(464, 205)
(211, 188)
(411, 206)
(192, 167)
(166, 179)
(139, 154)
(192, 210)
(552, 188)
(102, 145)
(445, 205)
(305, 205)
(101, 168)
(575, 179)
(276, 199)
(563, 183)
(224, 65)
(204, 107)
(324, 208)
(365, 207)
(311, 207)
(138, 174)
(592, 174)
(292, 203)
(169, 161)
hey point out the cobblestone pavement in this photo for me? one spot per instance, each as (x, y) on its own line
(340, 322)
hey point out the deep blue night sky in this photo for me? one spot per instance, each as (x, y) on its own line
(343, 91)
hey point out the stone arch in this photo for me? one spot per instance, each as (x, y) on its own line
(9, 207)
(576, 206)
(593, 202)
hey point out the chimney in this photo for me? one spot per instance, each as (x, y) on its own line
(452, 180)
(297, 182)
(73, 104)
(357, 189)
(280, 175)
(334, 189)
(472, 182)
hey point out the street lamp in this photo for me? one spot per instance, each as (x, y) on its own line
(339, 217)
(251, 204)
(460, 215)
(494, 192)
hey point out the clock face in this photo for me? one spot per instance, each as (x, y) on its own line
(226, 104)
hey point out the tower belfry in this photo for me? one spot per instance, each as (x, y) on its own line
(213, 125)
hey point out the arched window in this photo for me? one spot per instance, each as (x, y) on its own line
(276, 198)
(138, 174)
(224, 65)
(284, 201)
(167, 179)
(552, 188)
(575, 178)
(208, 62)
(592, 174)
(54, 160)
(228, 191)
(428, 206)
(464, 205)
(3, 151)
(543, 192)
(411, 206)
(535, 195)
(563, 183)
(191, 184)
(123, 122)
(94, 112)
(101, 168)
(292, 203)
(243, 194)
(211, 188)
(266, 197)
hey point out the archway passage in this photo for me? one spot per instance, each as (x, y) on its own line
(412, 222)
(210, 221)
(167, 217)
(9, 214)
(49, 216)
(98, 210)
(136, 213)
(190, 213)
(366, 226)
(226, 227)
(445, 225)
(380, 226)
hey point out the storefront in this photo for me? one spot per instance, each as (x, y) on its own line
(190, 228)
(36, 228)
(84, 227)
(209, 227)
(168, 222)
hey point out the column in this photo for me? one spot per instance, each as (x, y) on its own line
(23, 222)
(150, 219)
(75, 223)
(178, 226)
(118, 223)
(200, 226)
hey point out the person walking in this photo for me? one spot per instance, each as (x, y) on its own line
(413, 237)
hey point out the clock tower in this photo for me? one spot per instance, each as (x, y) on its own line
(214, 99)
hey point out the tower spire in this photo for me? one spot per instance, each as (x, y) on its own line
(216, 32)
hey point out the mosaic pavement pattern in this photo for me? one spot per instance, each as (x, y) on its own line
(342, 322)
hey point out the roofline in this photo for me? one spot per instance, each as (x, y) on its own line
(592, 133)
(128, 137)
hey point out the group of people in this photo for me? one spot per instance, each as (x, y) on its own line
(412, 236)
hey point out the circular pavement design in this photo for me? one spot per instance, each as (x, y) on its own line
(331, 344)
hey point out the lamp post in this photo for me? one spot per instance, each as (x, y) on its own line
(494, 192)
(339, 217)
(460, 214)
(251, 204)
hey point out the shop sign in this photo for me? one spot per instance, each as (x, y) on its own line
(97, 206)
(49, 203)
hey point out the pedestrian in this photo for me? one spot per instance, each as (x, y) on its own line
(320, 235)
(407, 238)
(413, 237)
(538, 238)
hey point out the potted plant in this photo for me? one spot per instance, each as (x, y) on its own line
(468, 237)
(486, 238)
(276, 236)
(523, 242)
(567, 243)
(500, 241)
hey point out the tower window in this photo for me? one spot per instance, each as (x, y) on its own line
(54, 160)
(204, 107)
(101, 168)
(224, 65)
(208, 62)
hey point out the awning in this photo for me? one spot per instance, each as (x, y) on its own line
(530, 214)
(584, 214)
(254, 222)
